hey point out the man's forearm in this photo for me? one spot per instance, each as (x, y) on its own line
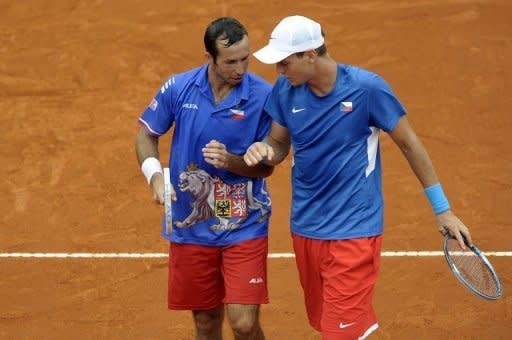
(412, 148)
(420, 162)
(145, 146)
(236, 165)
(281, 150)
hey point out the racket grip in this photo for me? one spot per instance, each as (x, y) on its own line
(167, 201)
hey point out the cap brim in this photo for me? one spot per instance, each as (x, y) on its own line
(269, 55)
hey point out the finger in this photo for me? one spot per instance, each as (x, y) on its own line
(214, 155)
(253, 159)
(217, 163)
(270, 153)
(460, 239)
(261, 148)
(211, 142)
(211, 149)
(174, 197)
(158, 199)
(215, 145)
(467, 234)
(158, 196)
(207, 153)
(246, 160)
(250, 160)
(259, 154)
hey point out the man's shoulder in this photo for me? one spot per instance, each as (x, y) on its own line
(181, 81)
(362, 77)
(282, 85)
(258, 82)
(189, 75)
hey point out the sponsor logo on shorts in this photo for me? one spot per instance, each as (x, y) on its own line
(345, 325)
(256, 280)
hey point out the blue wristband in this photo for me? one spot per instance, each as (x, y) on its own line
(437, 199)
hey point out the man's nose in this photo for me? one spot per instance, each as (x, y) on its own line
(240, 68)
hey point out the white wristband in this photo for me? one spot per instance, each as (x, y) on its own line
(150, 166)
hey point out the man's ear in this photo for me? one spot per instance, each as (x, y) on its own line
(208, 57)
(312, 55)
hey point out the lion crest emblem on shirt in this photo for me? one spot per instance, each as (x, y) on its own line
(230, 204)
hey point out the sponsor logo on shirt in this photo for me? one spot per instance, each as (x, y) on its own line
(346, 107)
(256, 280)
(153, 105)
(190, 106)
(237, 114)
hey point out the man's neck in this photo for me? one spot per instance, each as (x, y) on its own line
(220, 88)
(325, 77)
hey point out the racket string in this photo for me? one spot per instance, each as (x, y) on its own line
(472, 269)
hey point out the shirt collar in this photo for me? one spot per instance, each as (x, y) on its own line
(241, 92)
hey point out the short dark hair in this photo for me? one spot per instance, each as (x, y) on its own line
(225, 28)
(319, 50)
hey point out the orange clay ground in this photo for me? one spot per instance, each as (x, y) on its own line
(74, 77)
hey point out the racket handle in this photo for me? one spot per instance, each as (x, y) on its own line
(167, 201)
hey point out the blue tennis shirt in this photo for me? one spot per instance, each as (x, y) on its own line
(336, 171)
(215, 207)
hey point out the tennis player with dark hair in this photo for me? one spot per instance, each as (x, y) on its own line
(218, 245)
(332, 115)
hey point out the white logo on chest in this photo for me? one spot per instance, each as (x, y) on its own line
(190, 106)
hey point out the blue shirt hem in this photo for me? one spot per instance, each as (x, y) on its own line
(203, 242)
(338, 237)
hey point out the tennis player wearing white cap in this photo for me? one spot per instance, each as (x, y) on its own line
(332, 114)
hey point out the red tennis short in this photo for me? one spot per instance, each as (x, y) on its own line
(338, 278)
(202, 277)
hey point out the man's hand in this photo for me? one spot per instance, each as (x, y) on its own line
(258, 152)
(449, 223)
(157, 185)
(215, 153)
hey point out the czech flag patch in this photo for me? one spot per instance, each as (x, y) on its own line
(237, 114)
(346, 107)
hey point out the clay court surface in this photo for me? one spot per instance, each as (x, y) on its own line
(74, 77)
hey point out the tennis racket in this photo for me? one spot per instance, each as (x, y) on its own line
(167, 202)
(472, 269)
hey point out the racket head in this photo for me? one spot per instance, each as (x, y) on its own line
(167, 202)
(472, 268)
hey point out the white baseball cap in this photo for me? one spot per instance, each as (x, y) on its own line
(292, 35)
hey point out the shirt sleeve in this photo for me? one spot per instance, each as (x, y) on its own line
(273, 107)
(263, 125)
(159, 115)
(385, 109)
